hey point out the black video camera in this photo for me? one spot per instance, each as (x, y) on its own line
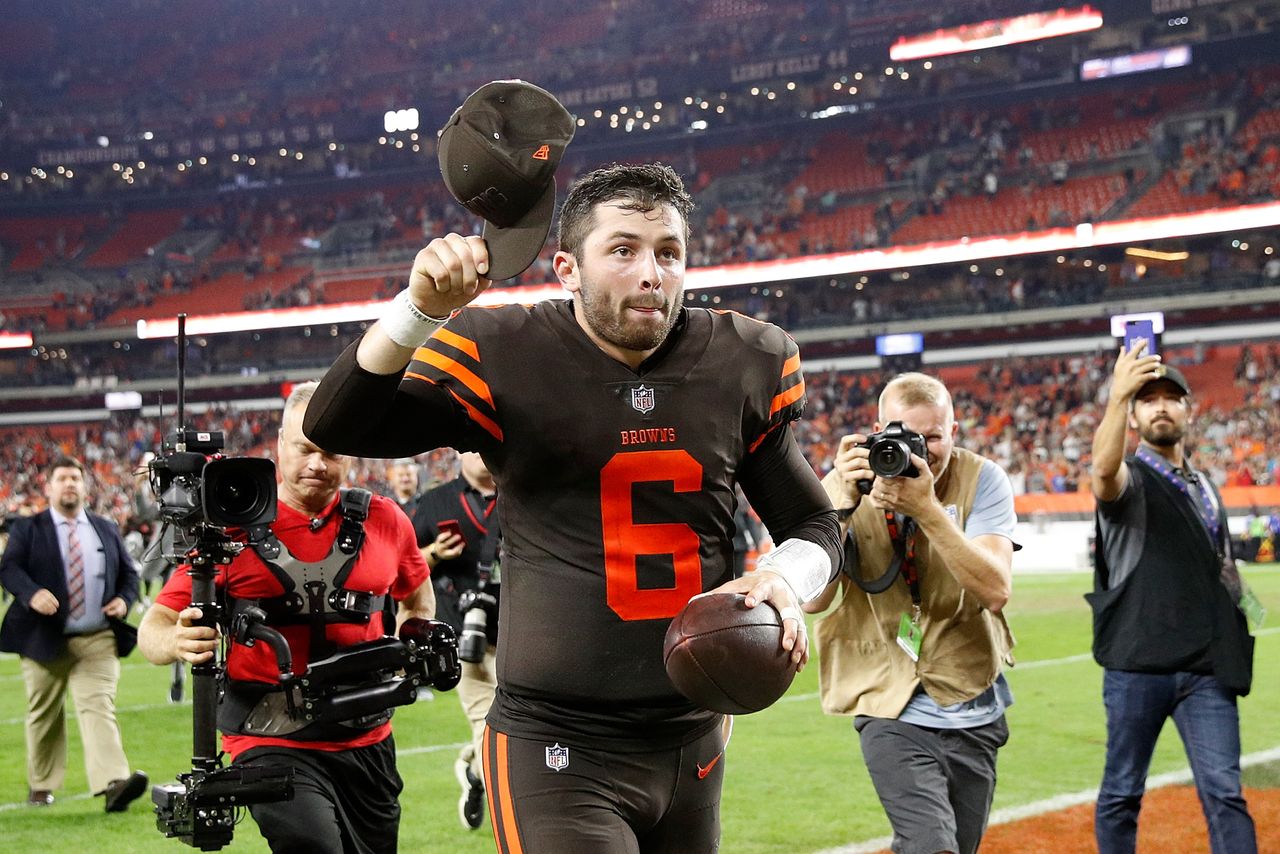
(200, 809)
(890, 453)
(197, 486)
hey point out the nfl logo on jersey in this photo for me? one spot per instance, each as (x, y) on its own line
(642, 400)
(557, 757)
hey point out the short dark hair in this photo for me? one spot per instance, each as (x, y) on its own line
(63, 462)
(640, 187)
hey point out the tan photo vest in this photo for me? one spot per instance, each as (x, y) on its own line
(862, 670)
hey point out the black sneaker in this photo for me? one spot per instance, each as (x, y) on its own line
(121, 793)
(471, 802)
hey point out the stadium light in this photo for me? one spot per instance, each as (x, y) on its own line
(895, 258)
(15, 340)
(995, 33)
(322, 315)
(395, 121)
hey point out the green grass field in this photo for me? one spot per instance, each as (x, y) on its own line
(795, 781)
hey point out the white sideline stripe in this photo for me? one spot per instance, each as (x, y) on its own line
(146, 707)
(998, 817)
(430, 748)
(1061, 802)
(410, 751)
(125, 666)
(83, 796)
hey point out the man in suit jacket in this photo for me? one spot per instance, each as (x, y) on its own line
(70, 575)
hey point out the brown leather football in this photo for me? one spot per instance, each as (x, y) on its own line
(727, 657)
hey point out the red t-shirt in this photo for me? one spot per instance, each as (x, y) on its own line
(389, 561)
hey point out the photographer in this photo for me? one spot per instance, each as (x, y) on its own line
(346, 786)
(457, 529)
(915, 647)
(1169, 609)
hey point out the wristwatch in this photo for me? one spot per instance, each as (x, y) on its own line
(843, 514)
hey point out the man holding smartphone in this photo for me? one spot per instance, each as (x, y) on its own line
(1169, 609)
(457, 531)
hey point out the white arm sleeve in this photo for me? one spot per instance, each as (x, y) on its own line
(804, 565)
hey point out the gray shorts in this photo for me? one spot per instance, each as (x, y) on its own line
(935, 785)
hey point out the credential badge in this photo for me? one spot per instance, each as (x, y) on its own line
(557, 757)
(642, 399)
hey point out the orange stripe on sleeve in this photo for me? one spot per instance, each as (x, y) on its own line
(490, 426)
(453, 339)
(787, 397)
(790, 366)
(458, 371)
(763, 436)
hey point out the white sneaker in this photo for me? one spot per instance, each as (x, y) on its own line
(471, 801)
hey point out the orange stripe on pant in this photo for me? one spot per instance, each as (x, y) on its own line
(502, 814)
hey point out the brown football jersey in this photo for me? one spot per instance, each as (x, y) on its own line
(617, 495)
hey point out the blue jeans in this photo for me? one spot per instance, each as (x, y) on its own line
(1137, 706)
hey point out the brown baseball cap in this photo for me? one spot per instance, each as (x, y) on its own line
(498, 156)
(1169, 374)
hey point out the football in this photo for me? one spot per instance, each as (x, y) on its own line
(727, 657)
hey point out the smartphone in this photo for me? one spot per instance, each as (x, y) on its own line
(1140, 330)
(451, 526)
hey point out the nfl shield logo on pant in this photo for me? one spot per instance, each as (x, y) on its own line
(557, 757)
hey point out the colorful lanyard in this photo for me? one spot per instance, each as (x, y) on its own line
(904, 551)
(1205, 506)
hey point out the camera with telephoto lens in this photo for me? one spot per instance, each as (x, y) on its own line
(889, 453)
(475, 605)
(197, 486)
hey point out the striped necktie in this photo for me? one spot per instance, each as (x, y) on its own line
(75, 572)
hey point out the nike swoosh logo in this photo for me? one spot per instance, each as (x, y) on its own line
(703, 772)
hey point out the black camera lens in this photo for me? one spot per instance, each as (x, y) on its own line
(236, 497)
(239, 492)
(474, 641)
(890, 458)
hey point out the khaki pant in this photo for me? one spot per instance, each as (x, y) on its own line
(475, 691)
(90, 668)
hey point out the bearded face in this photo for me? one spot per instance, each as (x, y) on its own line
(1160, 415)
(638, 322)
(629, 280)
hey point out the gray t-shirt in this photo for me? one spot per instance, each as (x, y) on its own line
(992, 513)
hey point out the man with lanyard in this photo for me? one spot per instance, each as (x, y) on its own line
(346, 786)
(915, 648)
(1169, 623)
(457, 530)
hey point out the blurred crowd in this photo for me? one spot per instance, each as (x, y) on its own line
(1035, 416)
(908, 172)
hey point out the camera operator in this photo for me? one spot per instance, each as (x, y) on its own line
(460, 559)
(915, 647)
(346, 786)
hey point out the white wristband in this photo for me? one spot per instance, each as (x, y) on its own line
(406, 324)
(804, 565)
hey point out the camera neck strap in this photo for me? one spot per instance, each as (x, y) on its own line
(491, 547)
(903, 537)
